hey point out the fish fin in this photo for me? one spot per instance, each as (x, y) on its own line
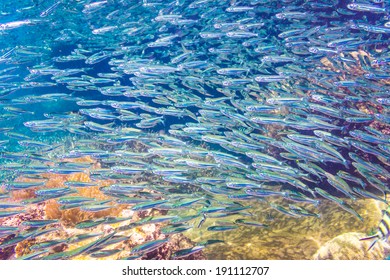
(372, 244)
(369, 237)
(184, 48)
(111, 124)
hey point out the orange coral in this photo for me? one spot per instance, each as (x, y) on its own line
(73, 216)
(23, 194)
(23, 248)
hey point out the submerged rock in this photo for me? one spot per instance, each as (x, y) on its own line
(348, 246)
(302, 238)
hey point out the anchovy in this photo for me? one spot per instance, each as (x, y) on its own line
(250, 223)
(221, 228)
(79, 250)
(148, 205)
(186, 252)
(148, 246)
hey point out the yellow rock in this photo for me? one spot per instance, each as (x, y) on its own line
(347, 246)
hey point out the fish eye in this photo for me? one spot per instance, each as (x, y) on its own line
(226, 83)
(260, 79)
(369, 75)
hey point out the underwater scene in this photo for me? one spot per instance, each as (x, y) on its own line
(194, 129)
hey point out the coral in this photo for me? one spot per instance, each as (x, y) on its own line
(286, 238)
(144, 233)
(23, 248)
(18, 195)
(23, 194)
(33, 212)
(8, 252)
(54, 180)
(384, 128)
(71, 217)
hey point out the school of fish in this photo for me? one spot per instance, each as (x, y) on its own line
(200, 105)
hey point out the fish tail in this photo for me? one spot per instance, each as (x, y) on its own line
(344, 129)
(347, 163)
(376, 236)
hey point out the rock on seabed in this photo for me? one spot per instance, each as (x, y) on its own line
(347, 246)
